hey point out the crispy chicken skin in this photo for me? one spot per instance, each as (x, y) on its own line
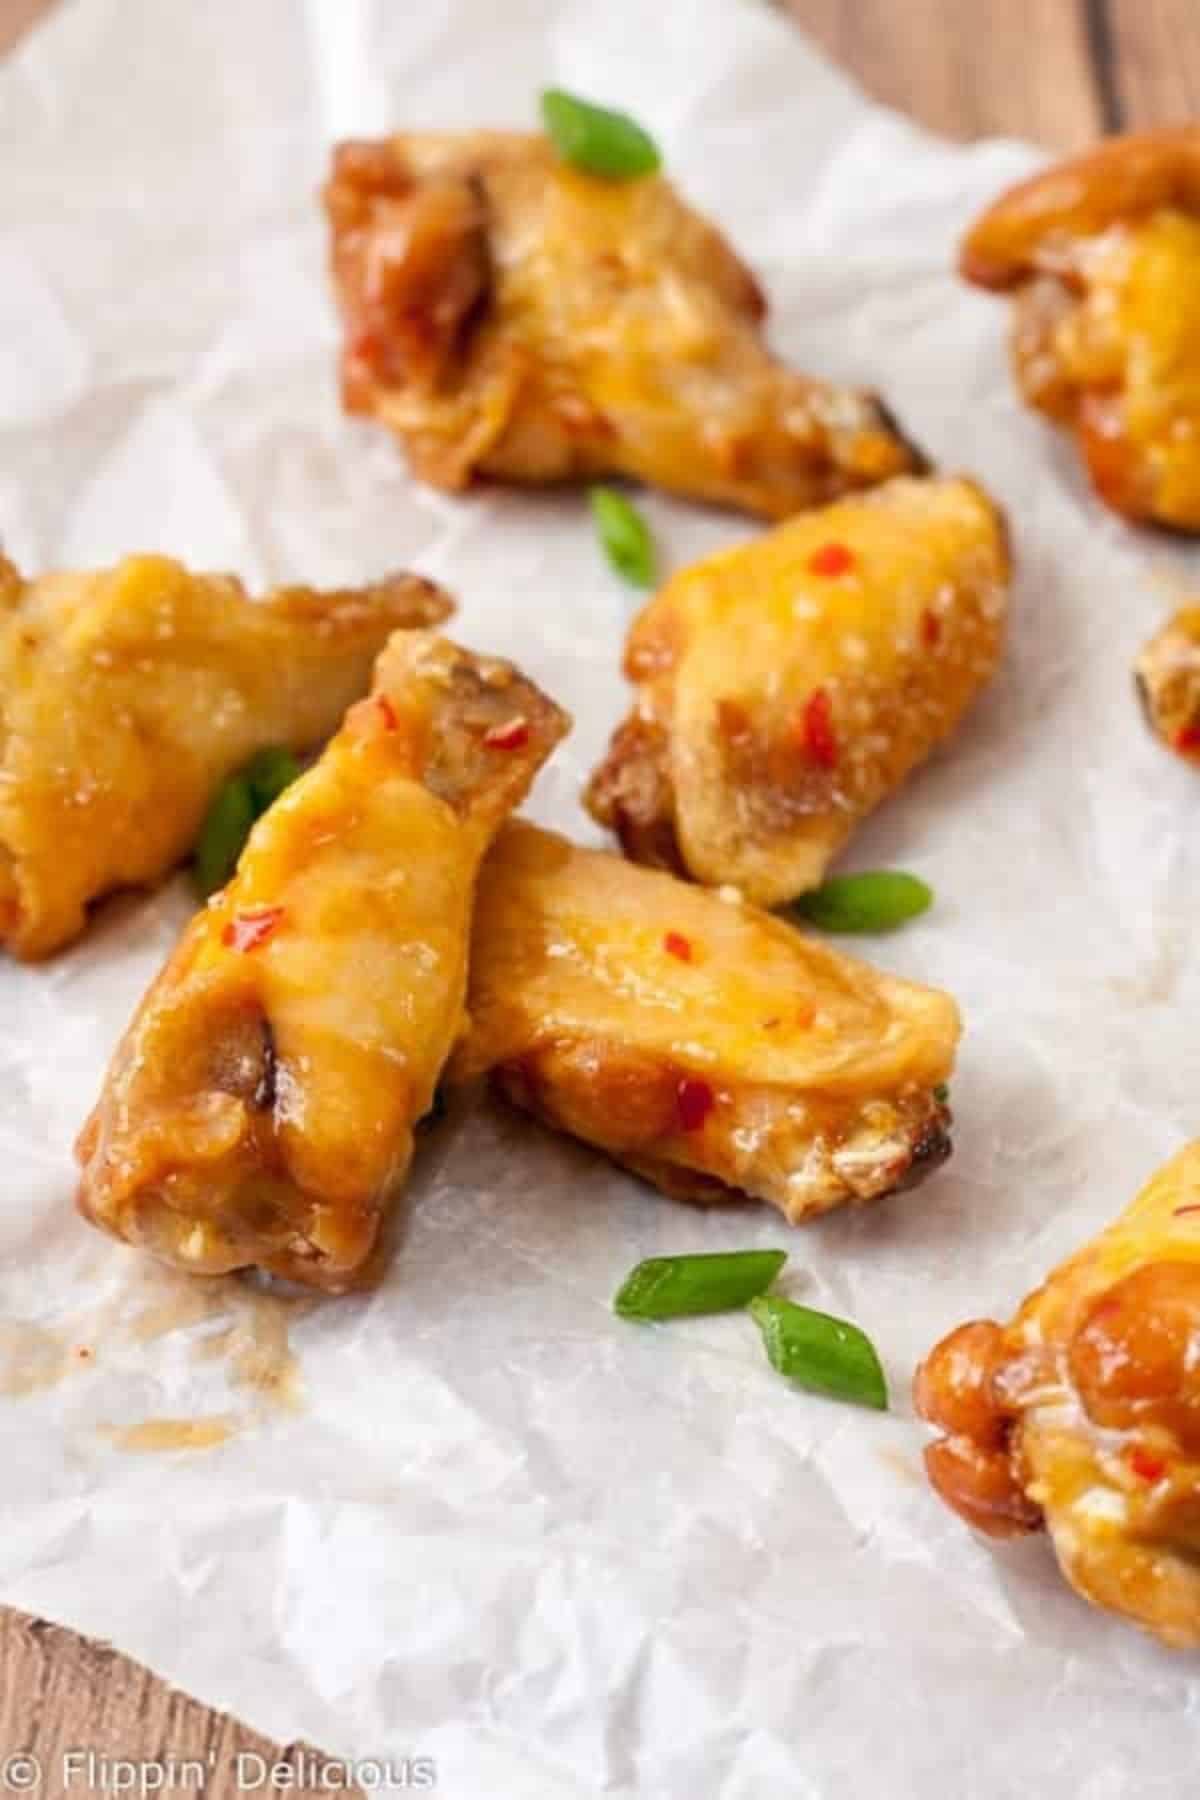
(787, 686)
(1083, 1414)
(129, 695)
(1167, 674)
(710, 1048)
(507, 315)
(1104, 254)
(260, 1109)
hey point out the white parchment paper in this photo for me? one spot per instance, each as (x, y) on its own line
(481, 1519)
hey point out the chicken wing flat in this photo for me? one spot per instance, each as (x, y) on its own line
(129, 696)
(710, 1048)
(787, 686)
(507, 315)
(1103, 252)
(1083, 1414)
(1168, 682)
(260, 1109)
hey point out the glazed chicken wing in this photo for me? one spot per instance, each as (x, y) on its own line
(260, 1109)
(705, 1045)
(129, 696)
(787, 686)
(1103, 253)
(1168, 682)
(507, 315)
(1083, 1414)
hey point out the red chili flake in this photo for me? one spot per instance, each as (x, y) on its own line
(364, 343)
(1180, 1210)
(931, 629)
(694, 1100)
(1149, 1468)
(510, 736)
(248, 930)
(1187, 737)
(391, 718)
(675, 944)
(832, 559)
(820, 739)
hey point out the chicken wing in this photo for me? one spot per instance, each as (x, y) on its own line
(787, 686)
(1083, 1414)
(1103, 252)
(508, 315)
(710, 1048)
(260, 1109)
(128, 696)
(1168, 682)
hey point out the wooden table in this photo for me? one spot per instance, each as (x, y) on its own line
(1058, 71)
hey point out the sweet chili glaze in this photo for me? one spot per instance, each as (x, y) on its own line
(130, 694)
(1167, 673)
(1104, 254)
(762, 1065)
(778, 704)
(1083, 1414)
(508, 315)
(261, 1107)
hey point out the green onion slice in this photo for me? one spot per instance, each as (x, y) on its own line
(596, 139)
(878, 900)
(226, 828)
(678, 1287)
(820, 1352)
(268, 774)
(232, 812)
(625, 536)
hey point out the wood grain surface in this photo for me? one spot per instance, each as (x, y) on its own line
(72, 1711)
(1058, 71)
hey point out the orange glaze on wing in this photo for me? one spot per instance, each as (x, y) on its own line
(128, 697)
(1104, 254)
(260, 1108)
(1084, 1412)
(785, 687)
(762, 1065)
(507, 315)
(1167, 673)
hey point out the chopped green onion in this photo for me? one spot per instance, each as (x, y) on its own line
(226, 828)
(232, 812)
(595, 139)
(269, 773)
(941, 1092)
(676, 1287)
(876, 901)
(625, 536)
(825, 1354)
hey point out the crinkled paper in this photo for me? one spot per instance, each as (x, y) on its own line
(474, 1516)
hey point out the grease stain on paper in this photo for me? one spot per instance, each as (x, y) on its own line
(251, 1339)
(172, 1434)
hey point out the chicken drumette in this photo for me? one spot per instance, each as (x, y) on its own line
(508, 315)
(260, 1109)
